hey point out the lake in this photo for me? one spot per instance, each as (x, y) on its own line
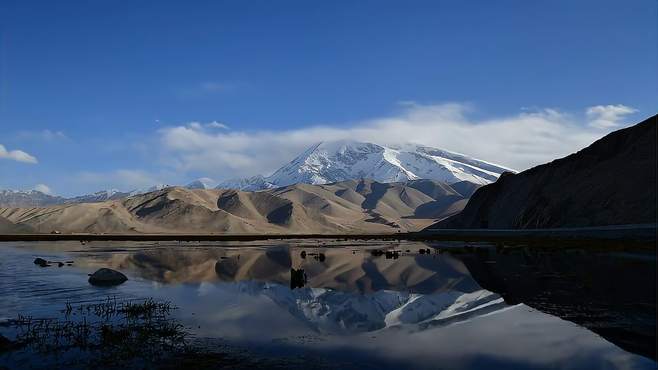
(341, 304)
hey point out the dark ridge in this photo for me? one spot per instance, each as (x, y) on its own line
(611, 182)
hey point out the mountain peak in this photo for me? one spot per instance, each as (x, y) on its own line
(333, 161)
(202, 183)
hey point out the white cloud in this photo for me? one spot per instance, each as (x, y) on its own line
(518, 141)
(608, 116)
(16, 155)
(43, 188)
(194, 125)
(215, 124)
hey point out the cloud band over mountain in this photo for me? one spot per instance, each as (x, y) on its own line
(517, 141)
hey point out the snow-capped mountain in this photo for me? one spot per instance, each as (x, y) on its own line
(253, 183)
(202, 183)
(334, 161)
(28, 198)
(35, 198)
(148, 189)
(99, 196)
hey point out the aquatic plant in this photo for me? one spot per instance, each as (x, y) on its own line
(109, 332)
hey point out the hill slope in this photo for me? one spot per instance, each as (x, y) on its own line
(8, 227)
(611, 182)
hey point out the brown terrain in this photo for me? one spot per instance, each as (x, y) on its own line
(363, 206)
(611, 182)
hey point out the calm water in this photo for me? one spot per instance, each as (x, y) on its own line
(362, 310)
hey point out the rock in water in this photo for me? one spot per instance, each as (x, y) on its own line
(107, 277)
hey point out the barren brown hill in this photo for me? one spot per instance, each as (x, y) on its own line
(611, 182)
(344, 207)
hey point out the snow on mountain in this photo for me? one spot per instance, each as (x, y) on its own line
(322, 163)
(202, 183)
(254, 183)
(99, 196)
(35, 198)
(148, 189)
(334, 161)
(28, 198)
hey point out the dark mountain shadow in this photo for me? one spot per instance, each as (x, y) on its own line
(610, 293)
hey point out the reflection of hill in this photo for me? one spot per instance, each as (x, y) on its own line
(612, 295)
(347, 291)
(345, 271)
(341, 269)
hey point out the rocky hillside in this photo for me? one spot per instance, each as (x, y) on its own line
(611, 182)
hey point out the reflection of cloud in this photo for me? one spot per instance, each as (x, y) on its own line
(16, 155)
(608, 116)
(519, 141)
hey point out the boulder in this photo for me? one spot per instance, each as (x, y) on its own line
(107, 277)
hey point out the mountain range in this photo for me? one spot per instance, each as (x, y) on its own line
(35, 198)
(323, 163)
(350, 206)
(346, 186)
(343, 293)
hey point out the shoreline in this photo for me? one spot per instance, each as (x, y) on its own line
(645, 233)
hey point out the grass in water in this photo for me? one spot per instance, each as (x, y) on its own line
(107, 334)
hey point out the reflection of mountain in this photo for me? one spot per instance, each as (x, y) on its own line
(338, 312)
(351, 290)
(613, 295)
(346, 292)
(341, 269)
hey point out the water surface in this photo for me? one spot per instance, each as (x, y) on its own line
(349, 307)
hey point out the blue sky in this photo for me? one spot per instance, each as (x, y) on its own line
(106, 93)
